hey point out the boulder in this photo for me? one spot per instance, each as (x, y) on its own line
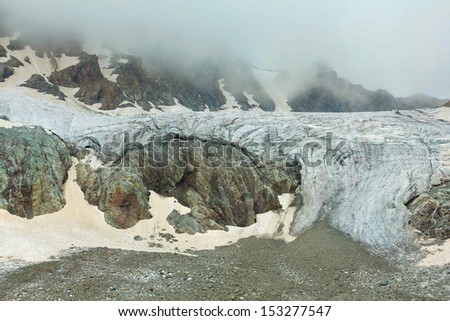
(118, 192)
(185, 223)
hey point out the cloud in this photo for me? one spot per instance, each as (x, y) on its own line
(402, 46)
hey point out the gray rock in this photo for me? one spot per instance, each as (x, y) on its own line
(14, 62)
(185, 223)
(3, 51)
(41, 85)
(6, 71)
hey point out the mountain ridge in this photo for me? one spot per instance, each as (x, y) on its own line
(107, 80)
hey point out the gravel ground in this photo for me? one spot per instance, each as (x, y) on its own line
(321, 264)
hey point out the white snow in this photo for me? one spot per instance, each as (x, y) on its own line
(443, 113)
(231, 102)
(177, 108)
(104, 63)
(250, 99)
(267, 80)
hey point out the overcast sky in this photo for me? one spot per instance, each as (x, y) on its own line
(402, 46)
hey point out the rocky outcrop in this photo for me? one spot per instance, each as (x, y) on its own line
(118, 192)
(39, 83)
(7, 68)
(430, 212)
(94, 87)
(241, 82)
(223, 184)
(6, 71)
(16, 44)
(33, 169)
(14, 62)
(157, 83)
(186, 223)
(3, 52)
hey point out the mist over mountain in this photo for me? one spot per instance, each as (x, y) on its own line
(398, 47)
(325, 91)
(181, 126)
(221, 81)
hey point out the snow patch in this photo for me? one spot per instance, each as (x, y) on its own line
(250, 99)
(231, 102)
(267, 80)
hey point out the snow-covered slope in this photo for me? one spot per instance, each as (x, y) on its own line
(142, 91)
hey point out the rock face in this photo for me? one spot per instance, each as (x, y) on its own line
(431, 212)
(7, 68)
(118, 192)
(223, 184)
(94, 87)
(157, 83)
(14, 62)
(2, 51)
(5, 71)
(41, 85)
(141, 87)
(33, 169)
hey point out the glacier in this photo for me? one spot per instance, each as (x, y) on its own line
(358, 170)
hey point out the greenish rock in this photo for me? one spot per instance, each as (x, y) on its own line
(118, 192)
(185, 223)
(33, 170)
